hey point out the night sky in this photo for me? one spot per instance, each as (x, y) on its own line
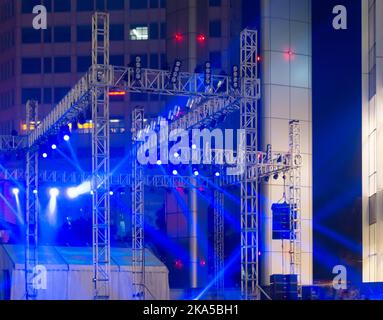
(337, 130)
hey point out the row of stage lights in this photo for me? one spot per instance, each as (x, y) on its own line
(71, 192)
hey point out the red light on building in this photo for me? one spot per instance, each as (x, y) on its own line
(178, 264)
(202, 262)
(116, 93)
(259, 58)
(201, 38)
(179, 37)
(289, 54)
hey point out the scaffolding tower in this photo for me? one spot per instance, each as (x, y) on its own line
(249, 183)
(138, 250)
(31, 205)
(100, 184)
(294, 193)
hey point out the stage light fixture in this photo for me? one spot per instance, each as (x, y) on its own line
(207, 74)
(235, 77)
(217, 174)
(111, 193)
(176, 70)
(45, 155)
(15, 191)
(137, 69)
(54, 192)
(175, 172)
(35, 191)
(54, 146)
(159, 162)
(72, 193)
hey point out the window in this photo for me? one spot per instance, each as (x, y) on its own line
(29, 94)
(163, 62)
(214, 3)
(48, 65)
(215, 58)
(153, 4)
(163, 30)
(138, 4)
(83, 63)
(30, 35)
(84, 33)
(27, 5)
(153, 31)
(139, 32)
(163, 4)
(47, 35)
(31, 65)
(115, 5)
(215, 28)
(47, 95)
(62, 34)
(60, 93)
(62, 5)
(100, 5)
(85, 5)
(62, 64)
(117, 32)
(154, 61)
(117, 60)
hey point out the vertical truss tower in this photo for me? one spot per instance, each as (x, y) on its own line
(295, 202)
(219, 240)
(249, 183)
(138, 250)
(32, 205)
(101, 80)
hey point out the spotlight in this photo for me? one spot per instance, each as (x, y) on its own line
(54, 192)
(72, 193)
(35, 191)
(159, 162)
(196, 173)
(176, 71)
(175, 172)
(45, 155)
(54, 146)
(194, 146)
(111, 193)
(217, 174)
(66, 137)
(15, 191)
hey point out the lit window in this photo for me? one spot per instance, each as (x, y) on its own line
(139, 33)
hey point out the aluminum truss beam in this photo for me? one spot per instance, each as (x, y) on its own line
(32, 208)
(138, 214)
(100, 183)
(249, 184)
(11, 143)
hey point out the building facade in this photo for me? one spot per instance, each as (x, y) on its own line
(286, 95)
(372, 156)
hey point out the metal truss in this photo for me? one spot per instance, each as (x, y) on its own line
(11, 143)
(138, 213)
(159, 82)
(219, 241)
(294, 196)
(100, 183)
(31, 208)
(249, 184)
